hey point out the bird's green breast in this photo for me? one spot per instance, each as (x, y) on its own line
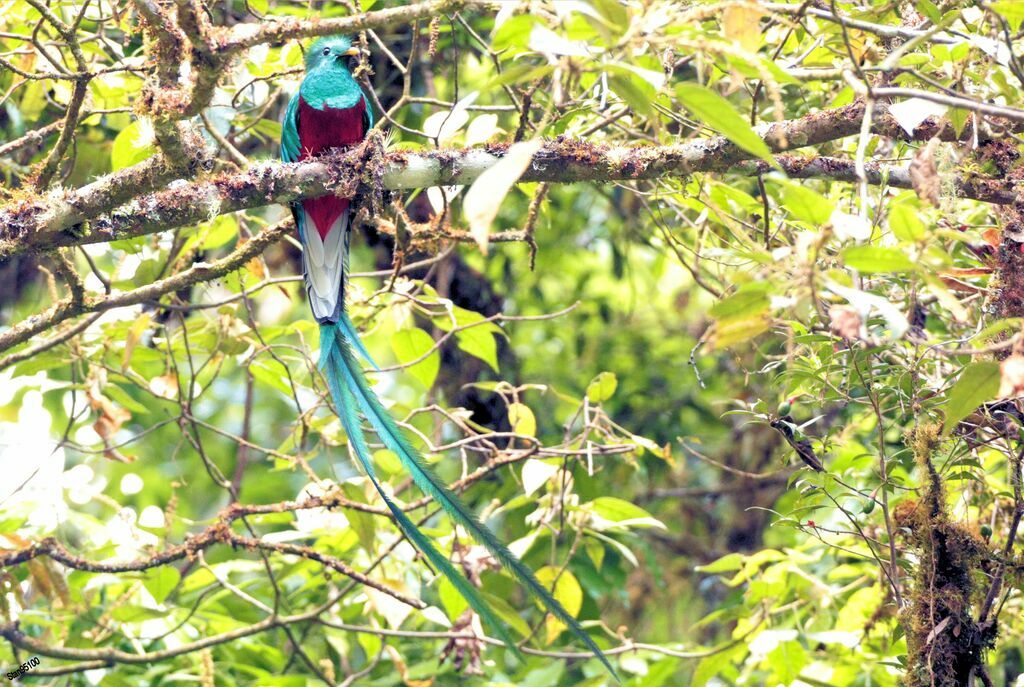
(333, 88)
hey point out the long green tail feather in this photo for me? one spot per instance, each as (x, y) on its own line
(350, 421)
(348, 333)
(338, 360)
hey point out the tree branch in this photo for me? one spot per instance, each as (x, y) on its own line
(217, 533)
(242, 36)
(202, 271)
(35, 224)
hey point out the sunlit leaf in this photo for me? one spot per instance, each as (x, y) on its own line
(567, 591)
(489, 190)
(535, 474)
(718, 113)
(875, 259)
(161, 581)
(412, 344)
(132, 145)
(979, 382)
(805, 203)
(481, 129)
(602, 387)
(522, 420)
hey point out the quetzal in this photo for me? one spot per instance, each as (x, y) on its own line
(330, 110)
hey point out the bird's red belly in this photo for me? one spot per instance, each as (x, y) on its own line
(321, 130)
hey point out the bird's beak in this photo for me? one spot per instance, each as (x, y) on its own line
(352, 52)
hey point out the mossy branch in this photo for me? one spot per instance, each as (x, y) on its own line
(96, 213)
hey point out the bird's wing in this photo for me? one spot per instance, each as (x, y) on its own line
(290, 147)
(367, 114)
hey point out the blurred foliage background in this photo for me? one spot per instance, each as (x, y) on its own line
(628, 398)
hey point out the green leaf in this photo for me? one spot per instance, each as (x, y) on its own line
(134, 613)
(269, 129)
(514, 32)
(411, 344)
(1011, 10)
(720, 665)
(958, 117)
(131, 146)
(40, 362)
(266, 371)
(979, 382)
(719, 114)
(858, 609)
(479, 342)
(996, 331)
(148, 271)
(507, 614)
(622, 513)
(522, 420)
(875, 259)
(595, 551)
(637, 92)
(602, 387)
(787, 660)
(730, 332)
(364, 524)
(388, 461)
(905, 222)
(928, 9)
(520, 73)
(804, 203)
(727, 563)
(160, 582)
(567, 591)
(613, 11)
(748, 301)
(118, 394)
(219, 232)
(453, 602)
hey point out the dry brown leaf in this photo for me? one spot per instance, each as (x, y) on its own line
(109, 420)
(1011, 377)
(924, 175)
(257, 268)
(954, 284)
(844, 320)
(135, 333)
(48, 581)
(963, 272)
(111, 417)
(476, 559)
(403, 669)
(165, 386)
(992, 237)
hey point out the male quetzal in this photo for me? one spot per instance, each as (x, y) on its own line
(331, 111)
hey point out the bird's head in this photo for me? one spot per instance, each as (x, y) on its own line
(332, 52)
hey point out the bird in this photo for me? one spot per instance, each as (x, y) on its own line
(331, 110)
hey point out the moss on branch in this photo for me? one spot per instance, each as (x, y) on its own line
(41, 223)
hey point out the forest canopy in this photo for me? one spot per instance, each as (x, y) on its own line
(710, 311)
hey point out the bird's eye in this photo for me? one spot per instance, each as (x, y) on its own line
(327, 51)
